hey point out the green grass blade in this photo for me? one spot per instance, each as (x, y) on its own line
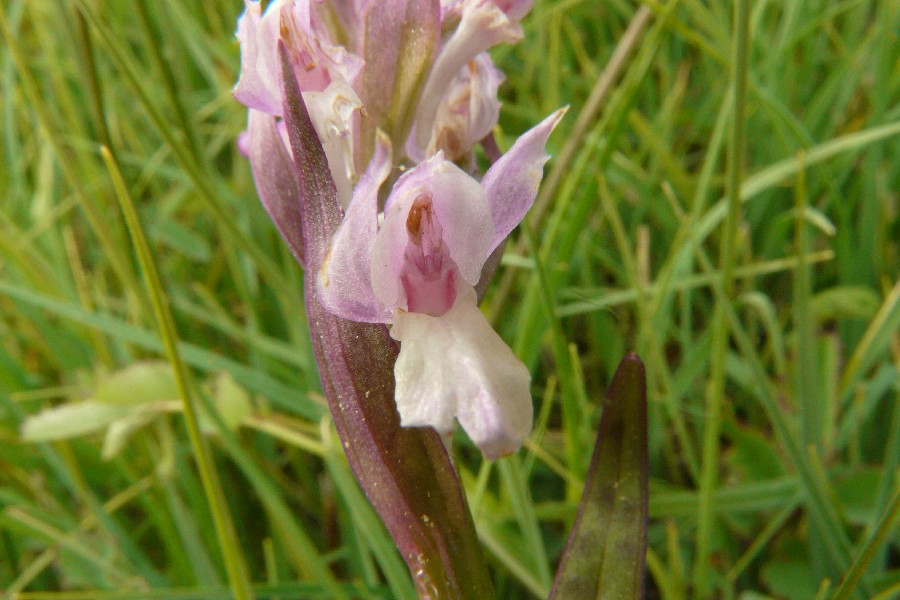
(234, 562)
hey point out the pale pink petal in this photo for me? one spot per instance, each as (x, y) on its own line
(276, 183)
(256, 88)
(515, 9)
(316, 60)
(484, 108)
(457, 366)
(344, 281)
(388, 254)
(512, 182)
(461, 209)
(482, 26)
(468, 112)
(243, 143)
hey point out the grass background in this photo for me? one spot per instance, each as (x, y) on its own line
(772, 351)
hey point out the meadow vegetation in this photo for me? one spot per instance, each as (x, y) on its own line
(770, 328)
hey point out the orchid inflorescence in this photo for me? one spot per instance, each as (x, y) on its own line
(399, 93)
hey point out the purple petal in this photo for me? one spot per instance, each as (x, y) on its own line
(456, 365)
(276, 182)
(344, 281)
(512, 182)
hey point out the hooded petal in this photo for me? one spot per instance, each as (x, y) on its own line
(275, 178)
(461, 209)
(482, 26)
(344, 281)
(512, 182)
(457, 366)
(467, 113)
(332, 113)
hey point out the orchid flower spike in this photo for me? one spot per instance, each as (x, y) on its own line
(418, 70)
(417, 271)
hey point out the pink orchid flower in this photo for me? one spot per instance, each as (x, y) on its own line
(417, 270)
(327, 73)
(417, 70)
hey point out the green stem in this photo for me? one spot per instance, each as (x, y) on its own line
(234, 564)
(716, 388)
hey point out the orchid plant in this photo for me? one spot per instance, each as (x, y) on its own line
(362, 124)
(409, 250)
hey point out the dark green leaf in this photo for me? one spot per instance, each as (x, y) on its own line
(605, 554)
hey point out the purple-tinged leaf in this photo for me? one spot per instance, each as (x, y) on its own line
(275, 179)
(605, 555)
(405, 472)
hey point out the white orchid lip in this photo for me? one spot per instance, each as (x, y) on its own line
(456, 366)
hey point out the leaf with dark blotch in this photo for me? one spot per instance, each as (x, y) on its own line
(405, 472)
(605, 555)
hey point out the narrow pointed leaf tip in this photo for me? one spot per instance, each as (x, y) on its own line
(320, 213)
(604, 557)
